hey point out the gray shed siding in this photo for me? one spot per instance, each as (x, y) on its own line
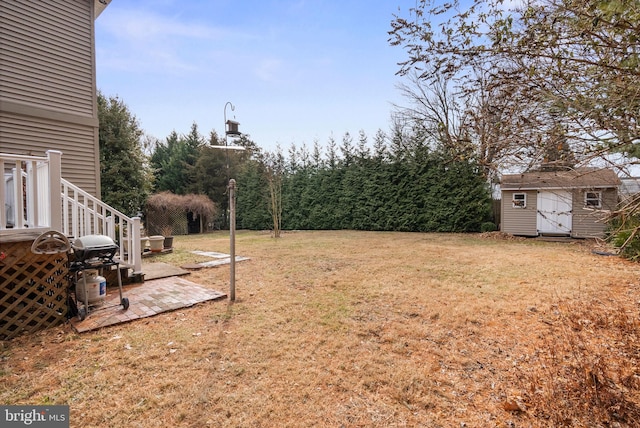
(519, 221)
(47, 84)
(587, 223)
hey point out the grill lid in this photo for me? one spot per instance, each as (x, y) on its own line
(92, 249)
(93, 241)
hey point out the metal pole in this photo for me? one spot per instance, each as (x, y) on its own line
(226, 140)
(226, 144)
(232, 239)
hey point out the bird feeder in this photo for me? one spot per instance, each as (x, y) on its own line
(232, 129)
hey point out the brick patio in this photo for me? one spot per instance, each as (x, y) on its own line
(145, 300)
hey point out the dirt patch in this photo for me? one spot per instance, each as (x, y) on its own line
(358, 329)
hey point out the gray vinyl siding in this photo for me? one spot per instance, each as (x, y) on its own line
(47, 84)
(46, 54)
(587, 223)
(519, 221)
(34, 136)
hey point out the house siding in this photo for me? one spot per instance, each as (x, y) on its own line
(34, 136)
(46, 54)
(519, 221)
(588, 223)
(47, 85)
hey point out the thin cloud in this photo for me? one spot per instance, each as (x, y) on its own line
(159, 42)
(142, 25)
(269, 70)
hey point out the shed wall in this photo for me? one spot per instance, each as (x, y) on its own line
(519, 221)
(588, 223)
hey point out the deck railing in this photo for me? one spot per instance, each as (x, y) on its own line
(25, 193)
(35, 198)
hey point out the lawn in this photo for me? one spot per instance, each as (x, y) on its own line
(360, 329)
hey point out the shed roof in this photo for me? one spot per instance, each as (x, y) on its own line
(574, 178)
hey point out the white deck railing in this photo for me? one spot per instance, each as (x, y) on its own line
(35, 198)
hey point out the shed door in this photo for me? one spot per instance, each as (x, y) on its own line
(554, 212)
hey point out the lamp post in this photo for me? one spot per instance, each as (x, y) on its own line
(231, 129)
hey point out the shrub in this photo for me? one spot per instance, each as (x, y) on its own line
(625, 235)
(488, 226)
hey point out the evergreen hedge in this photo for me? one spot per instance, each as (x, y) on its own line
(419, 190)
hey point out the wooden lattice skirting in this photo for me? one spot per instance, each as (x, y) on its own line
(33, 289)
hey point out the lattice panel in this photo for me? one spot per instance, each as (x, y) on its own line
(33, 289)
(175, 219)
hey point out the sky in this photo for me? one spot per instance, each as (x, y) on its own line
(295, 71)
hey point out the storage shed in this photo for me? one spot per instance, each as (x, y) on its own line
(558, 203)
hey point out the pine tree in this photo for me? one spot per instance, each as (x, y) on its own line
(125, 179)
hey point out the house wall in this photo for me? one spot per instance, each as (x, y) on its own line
(47, 85)
(519, 221)
(587, 223)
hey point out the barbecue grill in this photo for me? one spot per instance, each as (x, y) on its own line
(92, 249)
(94, 252)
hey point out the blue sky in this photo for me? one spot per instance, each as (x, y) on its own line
(295, 70)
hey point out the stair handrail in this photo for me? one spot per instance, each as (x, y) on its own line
(84, 214)
(34, 198)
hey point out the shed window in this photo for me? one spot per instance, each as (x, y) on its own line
(519, 200)
(593, 199)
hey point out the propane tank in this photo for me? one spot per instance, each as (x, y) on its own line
(96, 287)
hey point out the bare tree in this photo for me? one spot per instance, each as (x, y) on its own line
(577, 61)
(435, 111)
(274, 171)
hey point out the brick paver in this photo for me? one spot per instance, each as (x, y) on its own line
(145, 300)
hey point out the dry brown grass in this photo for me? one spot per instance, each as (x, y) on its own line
(360, 329)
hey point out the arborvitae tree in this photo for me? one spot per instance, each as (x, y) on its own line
(193, 142)
(332, 155)
(125, 180)
(462, 195)
(351, 201)
(346, 149)
(419, 188)
(316, 155)
(252, 205)
(294, 184)
(363, 151)
(305, 157)
(174, 162)
(210, 178)
(166, 161)
(292, 165)
(380, 145)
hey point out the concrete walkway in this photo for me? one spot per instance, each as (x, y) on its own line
(218, 258)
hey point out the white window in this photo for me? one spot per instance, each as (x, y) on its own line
(593, 199)
(519, 200)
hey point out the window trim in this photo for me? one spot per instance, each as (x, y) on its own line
(587, 199)
(519, 203)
